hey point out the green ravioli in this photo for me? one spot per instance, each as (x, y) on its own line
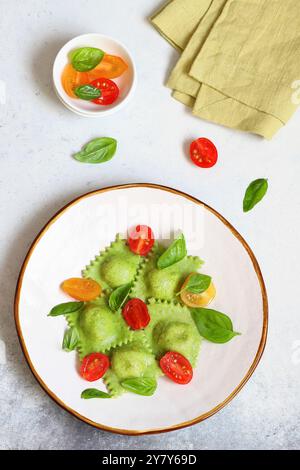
(99, 328)
(133, 360)
(172, 329)
(115, 266)
(136, 354)
(162, 283)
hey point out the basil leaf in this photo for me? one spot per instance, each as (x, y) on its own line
(94, 393)
(99, 150)
(87, 92)
(254, 193)
(141, 386)
(174, 253)
(86, 58)
(70, 340)
(197, 283)
(64, 309)
(118, 296)
(213, 325)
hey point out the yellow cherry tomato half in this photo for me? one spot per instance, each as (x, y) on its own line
(81, 289)
(71, 79)
(111, 66)
(197, 300)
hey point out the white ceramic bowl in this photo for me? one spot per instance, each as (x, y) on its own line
(126, 82)
(67, 244)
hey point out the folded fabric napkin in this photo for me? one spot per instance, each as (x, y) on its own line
(239, 60)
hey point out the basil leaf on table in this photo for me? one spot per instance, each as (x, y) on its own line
(197, 283)
(174, 253)
(254, 193)
(87, 92)
(98, 150)
(118, 296)
(86, 58)
(65, 308)
(213, 325)
(70, 340)
(94, 393)
(141, 386)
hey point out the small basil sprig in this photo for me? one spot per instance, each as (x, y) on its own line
(65, 308)
(213, 325)
(174, 253)
(118, 296)
(254, 193)
(86, 58)
(87, 92)
(70, 340)
(141, 386)
(197, 284)
(94, 393)
(98, 150)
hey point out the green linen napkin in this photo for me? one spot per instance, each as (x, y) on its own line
(239, 60)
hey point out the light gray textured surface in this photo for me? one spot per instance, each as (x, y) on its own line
(38, 176)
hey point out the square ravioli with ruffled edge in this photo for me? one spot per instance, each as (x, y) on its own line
(99, 329)
(133, 360)
(163, 284)
(172, 328)
(115, 266)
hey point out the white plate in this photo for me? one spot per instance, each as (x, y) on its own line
(126, 82)
(73, 237)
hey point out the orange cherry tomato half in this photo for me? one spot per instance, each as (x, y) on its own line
(135, 313)
(141, 240)
(109, 91)
(71, 79)
(81, 289)
(176, 367)
(94, 366)
(203, 153)
(111, 66)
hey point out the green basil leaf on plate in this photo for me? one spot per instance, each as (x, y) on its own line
(141, 386)
(118, 296)
(87, 92)
(254, 193)
(65, 308)
(70, 340)
(86, 58)
(174, 253)
(197, 283)
(98, 150)
(94, 393)
(213, 325)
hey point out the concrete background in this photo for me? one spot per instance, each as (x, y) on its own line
(38, 176)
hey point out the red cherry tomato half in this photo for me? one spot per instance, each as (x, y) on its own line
(203, 153)
(176, 367)
(135, 313)
(141, 240)
(94, 366)
(109, 91)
